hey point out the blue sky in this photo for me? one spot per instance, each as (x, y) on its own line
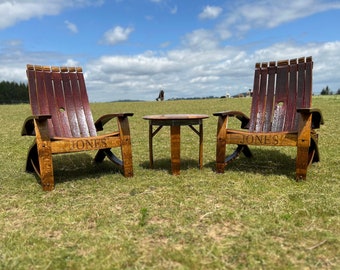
(130, 49)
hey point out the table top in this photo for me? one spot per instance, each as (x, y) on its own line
(175, 116)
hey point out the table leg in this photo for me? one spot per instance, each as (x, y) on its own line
(150, 145)
(200, 158)
(175, 134)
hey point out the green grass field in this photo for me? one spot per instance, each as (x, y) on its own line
(254, 216)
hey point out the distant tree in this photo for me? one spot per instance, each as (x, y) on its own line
(326, 91)
(12, 92)
(338, 92)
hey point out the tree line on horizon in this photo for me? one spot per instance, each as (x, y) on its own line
(16, 93)
(13, 93)
(327, 91)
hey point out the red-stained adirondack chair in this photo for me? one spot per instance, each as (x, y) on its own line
(62, 122)
(280, 115)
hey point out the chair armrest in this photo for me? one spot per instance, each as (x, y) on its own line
(42, 117)
(317, 118)
(28, 127)
(239, 115)
(99, 124)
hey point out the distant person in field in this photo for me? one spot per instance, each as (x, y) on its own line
(160, 96)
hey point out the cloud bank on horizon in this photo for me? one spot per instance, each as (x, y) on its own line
(131, 49)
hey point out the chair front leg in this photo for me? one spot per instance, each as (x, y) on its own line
(221, 144)
(301, 163)
(46, 165)
(303, 144)
(126, 148)
(45, 155)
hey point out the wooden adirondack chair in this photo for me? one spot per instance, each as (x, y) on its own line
(281, 115)
(62, 122)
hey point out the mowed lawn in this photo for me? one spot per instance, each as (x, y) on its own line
(254, 216)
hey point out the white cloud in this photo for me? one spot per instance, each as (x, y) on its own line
(71, 26)
(194, 73)
(201, 40)
(165, 44)
(71, 63)
(269, 14)
(182, 73)
(116, 35)
(201, 66)
(174, 10)
(12, 12)
(210, 12)
(164, 4)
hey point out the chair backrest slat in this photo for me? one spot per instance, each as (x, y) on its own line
(83, 107)
(279, 89)
(70, 108)
(51, 102)
(60, 116)
(291, 119)
(61, 92)
(270, 96)
(255, 99)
